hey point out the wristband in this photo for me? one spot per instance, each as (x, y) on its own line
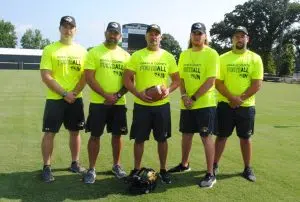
(64, 94)
(193, 98)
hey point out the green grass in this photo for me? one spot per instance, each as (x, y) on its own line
(276, 154)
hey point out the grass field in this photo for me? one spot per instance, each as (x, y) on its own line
(276, 153)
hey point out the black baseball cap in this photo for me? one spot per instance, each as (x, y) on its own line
(114, 26)
(153, 27)
(198, 27)
(67, 20)
(241, 29)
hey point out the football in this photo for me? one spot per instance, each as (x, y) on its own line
(155, 92)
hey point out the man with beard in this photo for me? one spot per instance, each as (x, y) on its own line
(62, 72)
(148, 67)
(239, 79)
(198, 69)
(104, 70)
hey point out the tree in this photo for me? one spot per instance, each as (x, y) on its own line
(287, 63)
(33, 39)
(171, 45)
(8, 37)
(266, 21)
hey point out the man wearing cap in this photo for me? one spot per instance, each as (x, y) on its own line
(148, 67)
(62, 72)
(239, 79)
(104, 71)
(198, 69)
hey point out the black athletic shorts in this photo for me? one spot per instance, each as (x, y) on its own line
(147, 118)
(200, 121)
(241, 118)
(59, 111)
(113, 116)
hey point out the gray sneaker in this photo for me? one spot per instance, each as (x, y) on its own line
(47, 174)
(118, 171)
(90, 176)
(208, 181)
(76, 168)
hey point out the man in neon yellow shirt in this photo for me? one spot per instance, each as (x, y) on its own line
(104, 70)
(198, 69)
(62, 72)
(241, 74)
(148, 67)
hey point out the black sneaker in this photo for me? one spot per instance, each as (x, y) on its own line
(47, 174)
(216, 168)
(179, 168)
(165, 177)
(208, 181)
(249, 174)
(76, 168)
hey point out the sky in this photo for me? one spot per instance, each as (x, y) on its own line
(175, 17)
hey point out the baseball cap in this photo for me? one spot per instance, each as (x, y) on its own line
(241, 29)
(153, 27)
(198, 27)
(114, 26)
(68, 20)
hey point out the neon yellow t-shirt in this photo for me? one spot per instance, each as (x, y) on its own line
(195, 67)
(66, 64)
(109, 67)
(237, 71)
(151, 68)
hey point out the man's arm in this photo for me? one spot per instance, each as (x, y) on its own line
(94, 85)
(254, 88)
(187, 101)
(80, 85)
(54, 86)
(234, 101)
(204, 88)
(128, 80)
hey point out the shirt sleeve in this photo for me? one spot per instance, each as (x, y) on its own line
(180, 65)
(89, 62)
(46, 60)
(132, 63)
(258, 70)
(172, 65)
(221, 69)
(212, 65)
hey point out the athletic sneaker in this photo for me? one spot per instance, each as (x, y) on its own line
(90, 176)
(76, 168)
(216, 169)
(208, 181)
(165, 177)
(47, 174)
(118, 171)
(179, 168)
(249, 174)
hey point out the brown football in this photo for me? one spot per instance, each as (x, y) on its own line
(155, 92)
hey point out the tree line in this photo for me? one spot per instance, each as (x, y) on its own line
(273, 27)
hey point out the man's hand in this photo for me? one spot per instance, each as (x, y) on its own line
(142, 95)
(166, 92)
(187, 101)
(70, 97)
(235, 102)
(110, 99)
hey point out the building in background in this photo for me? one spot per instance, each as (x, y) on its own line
(14, 58)
(133, 37)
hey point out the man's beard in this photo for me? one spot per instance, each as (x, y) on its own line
(111, 41)
(239, 46)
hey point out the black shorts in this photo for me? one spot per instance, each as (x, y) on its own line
(200, 121)
(145, 118)
(113, 116)
(241, 118)
(59, 111)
